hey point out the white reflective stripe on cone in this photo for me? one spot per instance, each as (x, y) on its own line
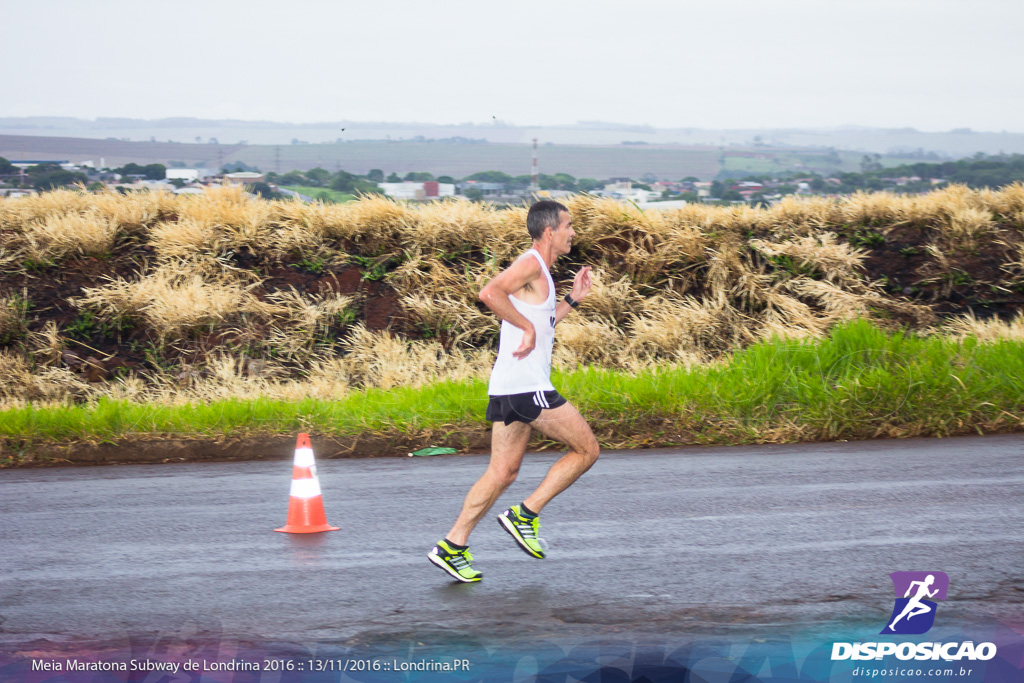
(305, 488)
(304, 457)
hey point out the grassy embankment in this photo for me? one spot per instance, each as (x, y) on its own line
(858, 383)
(219, 314)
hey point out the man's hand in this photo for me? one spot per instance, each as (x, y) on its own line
(529, 341)
(581, 284)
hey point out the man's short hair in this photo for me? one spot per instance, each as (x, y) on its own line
(544, 214)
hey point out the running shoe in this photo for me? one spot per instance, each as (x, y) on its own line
(455, 562)
(523, 529)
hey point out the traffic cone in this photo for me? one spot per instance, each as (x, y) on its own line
(306, 505)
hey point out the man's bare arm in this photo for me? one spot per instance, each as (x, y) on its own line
(495, 296)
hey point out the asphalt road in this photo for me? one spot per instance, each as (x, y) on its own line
(715, 540)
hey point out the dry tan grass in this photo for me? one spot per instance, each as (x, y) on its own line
(984, 330)
(56, 237)
(796, 216)
(589, 341)
(449, 226)
(880, 210)
(836, 261)
(614, 301)
(36, 208)
(374, 224)
(732, 276)
(452, 316)
(135, 213)
(1007, 202)
(377, 359)
(298, 228)
(170, 304)
(682, 329)
(222, 219)
(47, 344)
(965, 228)
(299, 322)
(12, 317)
(19, 382)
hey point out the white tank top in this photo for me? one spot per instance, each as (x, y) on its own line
(533, 373)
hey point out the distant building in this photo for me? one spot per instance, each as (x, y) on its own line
(189, 175)
(418, 191)
(487, 189)
(25, 163)
(245, 177)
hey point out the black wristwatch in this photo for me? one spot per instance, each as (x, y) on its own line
(572, 302)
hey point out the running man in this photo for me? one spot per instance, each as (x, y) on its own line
(914, 605)
(522, 397)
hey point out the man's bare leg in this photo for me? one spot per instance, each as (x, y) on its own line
(508, 443)
(564, 424)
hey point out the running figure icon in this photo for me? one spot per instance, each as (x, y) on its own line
(915, 607)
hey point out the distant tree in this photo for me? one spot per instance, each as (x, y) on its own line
(155, 171)
(292, 178)
(475, 194)
(265, 191)
(318, 177)
(588, 184)
(558, 181)
(418, 176)
(7, 168)
(239, 167)
(642, 186)
(375, 175)
(490, 177)
(689, 196)
(131, 169)
(447, 179)
(717, 189)
(731, 196)
(353, 184)
(46, 177)
(393, 178)
(690, 179)
(871, 162)
(178, 183)
(817, 183)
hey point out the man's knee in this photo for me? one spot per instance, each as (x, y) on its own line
(504, 475)
(590, 450)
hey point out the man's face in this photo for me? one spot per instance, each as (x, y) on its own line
(561, 236)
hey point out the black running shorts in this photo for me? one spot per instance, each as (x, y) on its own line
(522, 407)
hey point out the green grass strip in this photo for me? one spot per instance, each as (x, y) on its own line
(858, 383)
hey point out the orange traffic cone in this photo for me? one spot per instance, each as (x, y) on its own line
(306, 505)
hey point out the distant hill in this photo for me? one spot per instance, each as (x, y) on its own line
(460, 156)
(894, 142)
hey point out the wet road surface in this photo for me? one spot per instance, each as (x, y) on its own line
(715, 540)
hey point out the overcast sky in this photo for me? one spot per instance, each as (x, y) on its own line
(927, 64)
